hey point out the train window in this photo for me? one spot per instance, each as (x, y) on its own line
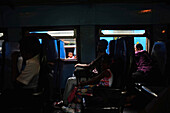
(108, 39)
(70, 48)
(138, 36)
(67, 41)
(142, 40)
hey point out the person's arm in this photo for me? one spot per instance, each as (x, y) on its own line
(96, 79)
(81, 65)
(90, 65)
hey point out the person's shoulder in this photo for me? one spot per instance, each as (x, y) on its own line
(106, 56)
(141, 52)
(35, 58)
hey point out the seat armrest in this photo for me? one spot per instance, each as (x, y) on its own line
(142, 88)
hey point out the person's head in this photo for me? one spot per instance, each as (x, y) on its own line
(138, 47)
(70, 54)
(29, 47)
(102, 45)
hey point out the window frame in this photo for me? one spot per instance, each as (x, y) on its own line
(59, 28)
(147, 34)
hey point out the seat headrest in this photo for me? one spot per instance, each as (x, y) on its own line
(159, 55)
(112, 47)
(10, 47)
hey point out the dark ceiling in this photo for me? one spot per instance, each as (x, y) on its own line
(54, 2)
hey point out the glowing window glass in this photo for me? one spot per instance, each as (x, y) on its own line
(141, 40)
(123, 32)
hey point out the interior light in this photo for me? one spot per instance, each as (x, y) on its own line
(146, 11)
(163, 31)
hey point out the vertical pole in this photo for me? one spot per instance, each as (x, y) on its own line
(58, 70)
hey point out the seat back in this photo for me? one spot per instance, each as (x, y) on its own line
(51, 49)
(48, 68)
(119, 66)
(159, 57)
(8, 49)
(122, 55)
(44, 69)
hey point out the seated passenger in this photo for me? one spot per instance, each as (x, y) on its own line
(101, 53)
(29, 73)
(143, 64)
(95, 66)
(103, 79)
(70, 55)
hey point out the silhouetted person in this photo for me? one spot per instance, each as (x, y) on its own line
(143, 64)
(94, 67)
(27, 63)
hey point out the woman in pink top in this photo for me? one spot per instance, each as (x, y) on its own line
(143, 63)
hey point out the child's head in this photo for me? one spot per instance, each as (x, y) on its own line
(70, 54)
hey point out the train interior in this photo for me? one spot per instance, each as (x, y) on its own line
(74, 27)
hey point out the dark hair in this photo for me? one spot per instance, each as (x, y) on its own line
(30, 45)
(103, 43)
(139, 46)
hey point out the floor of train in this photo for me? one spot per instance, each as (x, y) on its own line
(19, 104)
(53, 110)
(34, 107)
(126, 110)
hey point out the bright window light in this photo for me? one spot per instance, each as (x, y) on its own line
(123, 32)
(141, 40)
(1, 34)
(61, 33)
(57, 33)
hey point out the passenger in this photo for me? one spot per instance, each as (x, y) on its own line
(104, 79)
(70, 55)
(143, 64)
(95, 66)
(29, 73)
(101, 53)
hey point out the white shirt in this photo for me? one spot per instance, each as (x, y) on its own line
(30, 72)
